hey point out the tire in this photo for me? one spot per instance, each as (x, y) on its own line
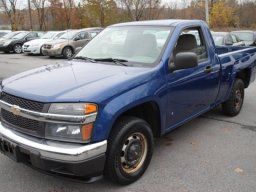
(67, 52)
(234, 104)
(41, 51)
(130, 149)
(17, 48)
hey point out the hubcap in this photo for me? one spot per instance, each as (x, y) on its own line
(68, 53)
(17, 49)
(134, 152)
(238, 100)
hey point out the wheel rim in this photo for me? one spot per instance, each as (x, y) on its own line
(17, 49)
(238, 100)
(133, 152)
(68, 53)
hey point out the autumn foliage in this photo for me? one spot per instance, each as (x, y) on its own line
(68, 14)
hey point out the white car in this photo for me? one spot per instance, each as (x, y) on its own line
(35, 46)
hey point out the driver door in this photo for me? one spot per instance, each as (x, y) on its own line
(191, 91)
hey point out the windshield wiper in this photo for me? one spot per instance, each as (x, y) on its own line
(114, 60)
(85, 59)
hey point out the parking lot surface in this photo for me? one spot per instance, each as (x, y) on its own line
(212, 153)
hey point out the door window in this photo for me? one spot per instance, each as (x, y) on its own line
(192, 40)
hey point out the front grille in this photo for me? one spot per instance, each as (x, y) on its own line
(20, 122)
(47, 46)
(23, 103)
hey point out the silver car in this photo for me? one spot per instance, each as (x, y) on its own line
(68, 44)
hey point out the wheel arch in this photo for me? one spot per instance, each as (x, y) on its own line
(148, 110)
(72, 48)
(245, 76)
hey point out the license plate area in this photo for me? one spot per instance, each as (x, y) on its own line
(9, 149)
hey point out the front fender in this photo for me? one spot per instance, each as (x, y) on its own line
(114, 108)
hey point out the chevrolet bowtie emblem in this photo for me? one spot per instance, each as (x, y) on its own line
(15, 110)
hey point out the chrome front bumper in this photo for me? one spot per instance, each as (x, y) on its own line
(54, 150)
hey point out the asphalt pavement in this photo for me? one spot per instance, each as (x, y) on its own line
(212, 153)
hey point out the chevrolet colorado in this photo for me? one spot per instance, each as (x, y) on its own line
(99, 112)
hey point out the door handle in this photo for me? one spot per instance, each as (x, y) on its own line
(208, 69)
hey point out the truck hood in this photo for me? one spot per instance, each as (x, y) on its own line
(75, 81)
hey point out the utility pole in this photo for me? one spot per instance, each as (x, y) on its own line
(30, 17)
(207, 11)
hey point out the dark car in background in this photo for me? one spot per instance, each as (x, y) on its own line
(226, 39)
(15, 43)
(248, 37)
(9, 36)
(4, 32)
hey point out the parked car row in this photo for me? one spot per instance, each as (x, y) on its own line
(52, 43)
(17, 39)
(235, 38)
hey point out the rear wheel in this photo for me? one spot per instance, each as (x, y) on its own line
(235, 102)
(129, 151)
(67, 52)
(17, 48)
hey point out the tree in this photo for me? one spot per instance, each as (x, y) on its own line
(39, 5)
(68, 6)
(100, 12)
(10, 9)
(222, 15)
(136, 9)
(57, 19)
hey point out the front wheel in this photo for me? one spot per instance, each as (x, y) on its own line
(41, 51)
(67, 52)
(129, 151)
(235, 102)
(17, 48)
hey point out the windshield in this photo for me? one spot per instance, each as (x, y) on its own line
(58, 35)
(244, 36)
(9, 35)
(48, 35)
(2, 34)
(68, 35)
(138, 45)
(218, 39)
(20, 35)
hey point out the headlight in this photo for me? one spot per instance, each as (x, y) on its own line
(57, 46)
(7, 43)
(70, 132)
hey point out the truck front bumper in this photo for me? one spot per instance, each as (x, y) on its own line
(67, 159)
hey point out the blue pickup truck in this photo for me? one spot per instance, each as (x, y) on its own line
(98, 114)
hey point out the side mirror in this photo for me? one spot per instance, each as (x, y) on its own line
(184, 60)
(76, 38)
